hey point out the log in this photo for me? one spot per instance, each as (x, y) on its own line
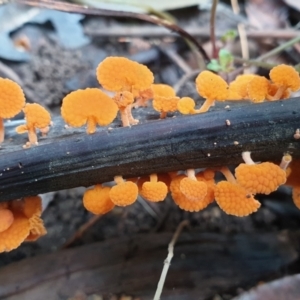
(203, 265)
(69, 159)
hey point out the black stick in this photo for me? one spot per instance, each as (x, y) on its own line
(72, 160)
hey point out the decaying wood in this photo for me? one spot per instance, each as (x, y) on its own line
(287, 288)
(71, 158)
(202, 264)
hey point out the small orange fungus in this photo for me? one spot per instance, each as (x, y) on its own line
(164, 99)
(211, 87)
(258, 88)
(27, 224)
(183, 202)
(124, 100)
(186, 106)
(154, 190)
(286, 77)
(12, 100)
(97, 201)
(261, 178)
(192, 188)
(293, 180)
(235, 200)
(124, 193)
(296, 196)
(238, 88)
(91, 106)
(120, 74)
(6, 219)
(36, 117)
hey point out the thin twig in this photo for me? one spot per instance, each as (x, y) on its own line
(244, 41)
(212, 28)
(74, 8)
(78, 234)
(151, 31)
(167, 262)
(252, 62)
(279, 49)
(235, 6)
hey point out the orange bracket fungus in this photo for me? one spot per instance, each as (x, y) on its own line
(232, 198)
(12, 100)
(261, 178)
(211, 87)
(22, 222)
(119, 74)
(37, 117)
(164, 99)
(97, 201)
(154, 190)
(90, 106)
(124, 193)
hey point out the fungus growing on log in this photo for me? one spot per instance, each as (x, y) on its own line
(154, 190)
(124, 192)
(185, 203)
(97, 201)
(164, 99)
(36, 117)
(212, 87)
(26, 226)
(90, 106)
(12, 100)
(192, 188)
(286, 78)
(262, 178)
(232, 198)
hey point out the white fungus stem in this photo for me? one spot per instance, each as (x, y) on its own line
(247, 158)
(285, 161)
(191, 174)
(167, 262)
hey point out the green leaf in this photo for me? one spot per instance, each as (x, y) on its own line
(214, 65)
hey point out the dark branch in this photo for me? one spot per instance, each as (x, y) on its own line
(77, 159)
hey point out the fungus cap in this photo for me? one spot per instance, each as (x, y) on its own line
(185, 203)
(124, 193)
(258, 88)
(193, 189)
(186, 105)
(122, 74)
(97, 200)
(6, 219)
(154, 191)
(81, 105)
(285, 75)
(12, 98)
(261, 178)
(238, 87)
(36, 116)
(212, 86)
(235, 200)
(13, 237)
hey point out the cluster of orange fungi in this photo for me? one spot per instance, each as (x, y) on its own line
(132, 86)
(193, 191)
